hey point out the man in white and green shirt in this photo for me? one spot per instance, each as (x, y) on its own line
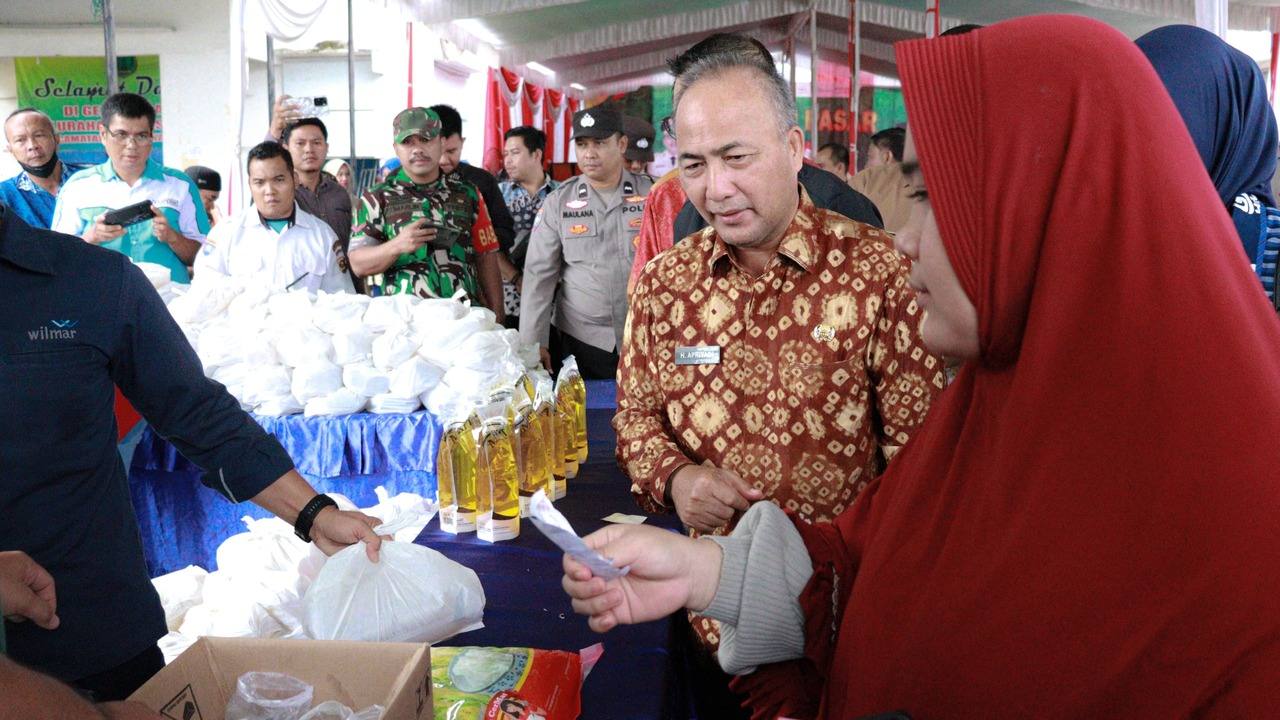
(129, 176)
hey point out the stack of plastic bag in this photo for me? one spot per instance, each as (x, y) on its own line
(337, 354)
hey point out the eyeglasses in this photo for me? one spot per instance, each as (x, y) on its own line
(669, 125)
(121, 137)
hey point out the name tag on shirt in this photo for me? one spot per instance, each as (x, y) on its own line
(700, 355)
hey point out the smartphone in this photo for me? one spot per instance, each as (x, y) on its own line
(308, 107)
(129, 214)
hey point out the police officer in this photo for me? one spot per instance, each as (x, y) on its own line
(640, 135)
(581, 249)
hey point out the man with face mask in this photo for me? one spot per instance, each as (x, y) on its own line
(581, 249)
(32, 141)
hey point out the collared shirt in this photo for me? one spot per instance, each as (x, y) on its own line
(31, 202)
(97, 189)
(80, 321)
(580, 254)
(811, 376)
(523, 206)
(332, 204)
(889, 190)
(443, 266)
(300, 255)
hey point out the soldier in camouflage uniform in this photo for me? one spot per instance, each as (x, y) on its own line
(424, 232)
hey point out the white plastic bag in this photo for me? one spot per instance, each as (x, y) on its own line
(382, 313)
(337, 309)
(339, 402)
(158, 275)
(314, 379)
(392, 349)
(483, 351)
(301, 345)
(365, 380)
(414, 377)
(180, 591)
(388, 403)
(269, 696)
(412, 594)
(279, 407)
(352, 343)
(430, 316)
(295, 308)
(266, 383)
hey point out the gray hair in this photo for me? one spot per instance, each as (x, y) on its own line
(771, 83)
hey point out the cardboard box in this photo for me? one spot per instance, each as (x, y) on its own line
(198, 684)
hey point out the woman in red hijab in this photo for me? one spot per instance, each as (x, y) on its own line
(1087, 524)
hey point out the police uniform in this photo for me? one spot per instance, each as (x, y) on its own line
(580, 254)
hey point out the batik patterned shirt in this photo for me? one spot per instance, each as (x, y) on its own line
(442, 266)
(805, 380)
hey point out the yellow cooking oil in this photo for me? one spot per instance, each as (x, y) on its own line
(531, 456)
(497, 482)
(456, 477)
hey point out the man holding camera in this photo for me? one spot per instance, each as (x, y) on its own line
(168, 229)
(422, 231)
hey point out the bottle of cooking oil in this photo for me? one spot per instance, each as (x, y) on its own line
(526, 385)
(566, 429)
(578, 386)
(552, 437)
(531, 455)
(456, 476)
(497, 481)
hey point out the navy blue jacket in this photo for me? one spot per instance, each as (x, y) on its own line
(76, 320)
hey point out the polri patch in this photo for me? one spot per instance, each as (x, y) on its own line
(698, 355)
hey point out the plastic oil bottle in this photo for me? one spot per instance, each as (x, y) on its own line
(579, 388)
(497, 481)
(531, 456)
(555, 438)
(456, 476)
(567, 423)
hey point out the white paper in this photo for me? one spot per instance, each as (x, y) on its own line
(622, 519)
(559, 531)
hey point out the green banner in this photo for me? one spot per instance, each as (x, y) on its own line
(70, 90)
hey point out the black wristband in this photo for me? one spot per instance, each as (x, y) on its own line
(302, 526)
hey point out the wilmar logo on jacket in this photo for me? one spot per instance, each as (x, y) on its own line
(55, 330)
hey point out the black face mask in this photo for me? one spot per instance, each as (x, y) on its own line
(42, 171)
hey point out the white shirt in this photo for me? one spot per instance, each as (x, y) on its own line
(300, 257)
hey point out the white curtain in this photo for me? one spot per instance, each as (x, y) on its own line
(289, 19)
(1212, 16)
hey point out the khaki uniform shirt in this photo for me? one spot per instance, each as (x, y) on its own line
(888, 189)
(580, 255)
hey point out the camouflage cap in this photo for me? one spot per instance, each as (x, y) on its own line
(416, 121)
(640, 136)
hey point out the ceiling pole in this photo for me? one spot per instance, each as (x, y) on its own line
(932, 18)
(813, 77)
(351, 93)
(109, 41)
(271, 75)
(855, 71)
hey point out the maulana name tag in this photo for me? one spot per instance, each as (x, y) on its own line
(700, 355)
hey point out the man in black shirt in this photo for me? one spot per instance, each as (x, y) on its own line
(451, 162)
(81, 321)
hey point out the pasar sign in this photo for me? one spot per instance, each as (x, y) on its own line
(70, 90)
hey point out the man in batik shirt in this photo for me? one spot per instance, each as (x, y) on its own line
(526, 188)
(775, 354)
(424, 232)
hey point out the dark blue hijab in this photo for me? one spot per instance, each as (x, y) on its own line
(1222, 97)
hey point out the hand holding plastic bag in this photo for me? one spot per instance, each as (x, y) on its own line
(412, 594)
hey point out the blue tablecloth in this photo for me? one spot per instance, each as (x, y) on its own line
(183, 523)
(642, 673)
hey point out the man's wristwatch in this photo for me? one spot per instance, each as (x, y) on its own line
(302, 526)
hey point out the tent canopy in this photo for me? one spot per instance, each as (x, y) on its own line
(612, 45)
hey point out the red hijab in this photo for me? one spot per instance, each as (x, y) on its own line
(1088, 524)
